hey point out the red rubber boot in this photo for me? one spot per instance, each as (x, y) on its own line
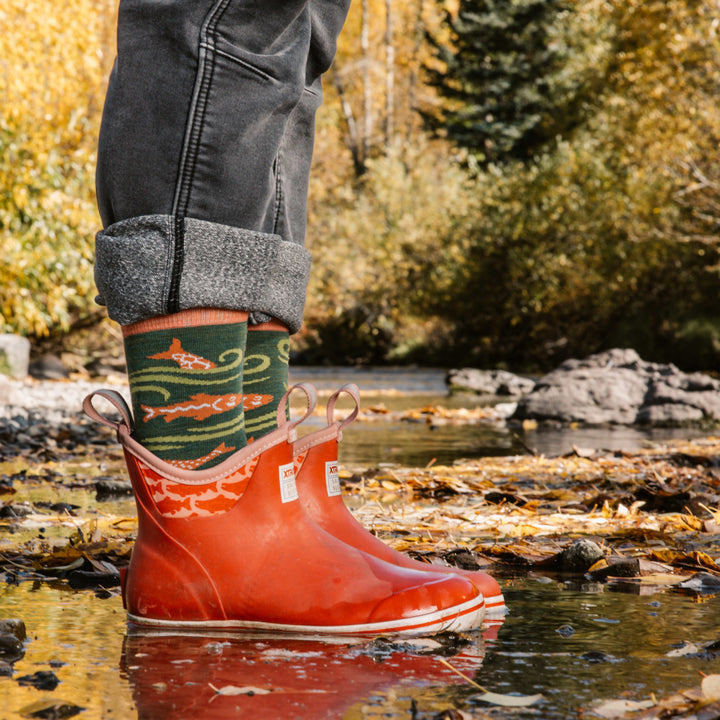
(316, 469)
(231, 547)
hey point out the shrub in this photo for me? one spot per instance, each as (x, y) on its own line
(50, 86)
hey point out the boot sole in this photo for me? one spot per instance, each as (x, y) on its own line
(468, 616)
(495, 607)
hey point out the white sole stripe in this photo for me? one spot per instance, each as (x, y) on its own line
(467, 616)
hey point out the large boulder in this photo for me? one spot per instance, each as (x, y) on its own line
(618, 387)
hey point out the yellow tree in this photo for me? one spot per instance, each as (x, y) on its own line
(52, 71)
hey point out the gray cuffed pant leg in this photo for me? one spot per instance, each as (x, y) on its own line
(204, 154)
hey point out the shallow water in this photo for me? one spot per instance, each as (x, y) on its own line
(618, 643)
(417, 444)
(619, 646)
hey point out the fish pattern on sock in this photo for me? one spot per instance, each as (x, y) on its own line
(186, 386)
(265, 377)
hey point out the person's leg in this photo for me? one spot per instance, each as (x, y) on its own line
(266, 369)
(189, 181)
(265, 376)
(201, 209)
(199, 197)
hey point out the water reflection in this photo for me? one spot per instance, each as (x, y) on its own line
(620, 644)
(217, 677)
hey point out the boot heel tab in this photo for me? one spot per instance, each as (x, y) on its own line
(118, 402)
(282, 410)
(353, 391)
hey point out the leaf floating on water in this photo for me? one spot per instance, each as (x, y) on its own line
(390, 484)
(508, 700)
(613, 709)
(657, 580)
(496, 698)
(711, 688)
(235, 690)
(687, 648)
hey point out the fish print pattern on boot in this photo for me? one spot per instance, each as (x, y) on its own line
(181, 500)
(221, 449)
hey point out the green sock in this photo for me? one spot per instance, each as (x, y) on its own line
(265, 378)
(186, 386)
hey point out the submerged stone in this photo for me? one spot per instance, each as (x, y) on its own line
(13, 626)
(41, 680)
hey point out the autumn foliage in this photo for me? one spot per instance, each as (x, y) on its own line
(605, 233)
(50, 95)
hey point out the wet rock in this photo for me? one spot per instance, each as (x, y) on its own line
(488, 382)
(96, 574)
(659, 498)
(445, 644)
(463, 558)
(616, 567)
(14, 355)
(578, 557)
(48, 367)
(60, 508)
(16, 510)
(50, 710)
(702, 582)
(11, 647)
(13, 626)
(618, 387)
(41, 680)
(82, 579)
(502, 497)
(107, 487)
(596, 656)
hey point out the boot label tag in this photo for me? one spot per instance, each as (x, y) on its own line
(332, 478)
(288, 488)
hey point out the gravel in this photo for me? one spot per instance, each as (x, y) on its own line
(47, 415)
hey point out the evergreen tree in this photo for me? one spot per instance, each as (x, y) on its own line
(501, 78)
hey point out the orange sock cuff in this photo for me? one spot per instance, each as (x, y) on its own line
(195, 317)
(270, 325)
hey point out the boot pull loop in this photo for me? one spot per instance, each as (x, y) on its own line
(282, 410)
(117, 401)
(353, 391)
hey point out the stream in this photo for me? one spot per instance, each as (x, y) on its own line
(576, 643)
(621, 645)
